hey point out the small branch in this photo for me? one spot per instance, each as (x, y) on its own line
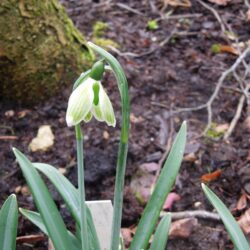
(165, 154)
(126, 7)
(209, 103)
(30, 238)
(247, 4)
(215, 13)
(201, 214)
(135, 55)
(196, 15)
(237, 114)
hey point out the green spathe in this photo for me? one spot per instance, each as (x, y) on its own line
(87, 100)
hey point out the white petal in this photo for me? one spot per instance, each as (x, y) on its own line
(106, 108)
(80, 102)
(97, 112)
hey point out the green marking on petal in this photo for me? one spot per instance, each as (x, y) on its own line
(107, 109)
(96, 89)
(88, 117)
(97, 112)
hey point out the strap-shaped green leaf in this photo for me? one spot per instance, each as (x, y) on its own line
(8, 224)
(230, 223)
(36, 219)
(70, 195)
(162, 188)
(161, 234)
(46, 206)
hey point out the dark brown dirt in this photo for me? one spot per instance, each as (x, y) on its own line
(182, 73)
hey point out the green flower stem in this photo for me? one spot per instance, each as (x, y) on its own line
(123, 146)
(81, 188)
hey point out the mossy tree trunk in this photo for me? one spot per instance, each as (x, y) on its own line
(40, 50)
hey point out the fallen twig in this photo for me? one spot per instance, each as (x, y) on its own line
(209, 103)
(135, 55)
(167, 149)
(237, 114)
(30, 238)
(126, 7)
(215, 13)
(8, 137)
(202, 214)
(247, 4)
(168, 17)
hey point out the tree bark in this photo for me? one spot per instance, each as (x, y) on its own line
(40, 50)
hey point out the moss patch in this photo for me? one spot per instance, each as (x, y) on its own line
(41, 50)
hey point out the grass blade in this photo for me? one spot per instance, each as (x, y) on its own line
(70, 195)
(162, 188)
(161, 234)
(230, 223)
(36, 219)
(8, 224)
(46, 206)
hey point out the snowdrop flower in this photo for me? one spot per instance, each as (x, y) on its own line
(87, 100)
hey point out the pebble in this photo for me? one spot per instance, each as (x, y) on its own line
(208, 25)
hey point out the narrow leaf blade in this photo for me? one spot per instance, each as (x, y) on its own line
(230, 223)
(162, 188)
(63, 186)
(50, 215)
(161, 234)
(70, 195)
(36, 219)
(8, 224)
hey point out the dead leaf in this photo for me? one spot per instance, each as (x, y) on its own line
(244, 221)
(135, 119)
(23, 113)
(220, 2)
(44, 139)
(105, 135)
(142, 181)
(150, 167)
(242, 202)
(178, 3)
(62, 170)
(9, 113)
(127, 236)
(25, 191)
(229, 49)
(221, 128)
(190, 158)
(171, 199)
(211, 176)
(18, 189)
(182, 228)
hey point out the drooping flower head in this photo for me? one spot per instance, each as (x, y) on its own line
(90, 99)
